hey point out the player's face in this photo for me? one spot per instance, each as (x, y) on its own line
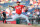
(18, 3)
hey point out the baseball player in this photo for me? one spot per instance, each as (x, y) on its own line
(18, 9)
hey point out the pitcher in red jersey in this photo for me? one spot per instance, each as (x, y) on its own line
(18, 9)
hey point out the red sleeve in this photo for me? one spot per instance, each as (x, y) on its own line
(22, 5)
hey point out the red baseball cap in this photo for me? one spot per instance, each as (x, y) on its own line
(17, 2)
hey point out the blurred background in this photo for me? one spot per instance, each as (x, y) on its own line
(33, 7)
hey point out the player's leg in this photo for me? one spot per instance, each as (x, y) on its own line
(3, 20)
(16, 15)
(24, 16)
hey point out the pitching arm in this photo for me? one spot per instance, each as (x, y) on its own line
(11, 6)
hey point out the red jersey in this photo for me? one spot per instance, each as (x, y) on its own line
(19, 9)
